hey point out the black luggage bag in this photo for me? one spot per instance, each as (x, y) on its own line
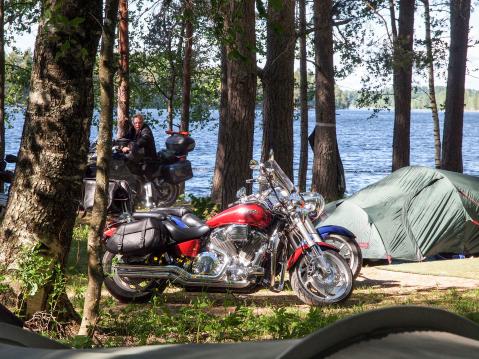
(138, 238)
(119, 196)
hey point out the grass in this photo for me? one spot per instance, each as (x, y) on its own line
(180, 317)
(463, 268)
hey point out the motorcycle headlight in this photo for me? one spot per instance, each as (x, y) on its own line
(313, 202)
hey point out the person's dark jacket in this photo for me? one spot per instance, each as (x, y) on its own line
(144, 140)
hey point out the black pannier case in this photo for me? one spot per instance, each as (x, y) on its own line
(166, 156)
(119, 195)
(138, 238)
(177, 172)
(180, 144)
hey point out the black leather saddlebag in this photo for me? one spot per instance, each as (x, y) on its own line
(177, 172)
(138, 238)
(119, 195)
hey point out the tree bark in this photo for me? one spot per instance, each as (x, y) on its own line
(278, 85)
(2, 85)
(174, 69)
(392, 14)
(185, 113)
(432, 91)
(99, 213)
(235, 147)
(218, 179)
(303, 96)
(402, 78)
(123, 72)
(327, 177)
(44, 198)
(456, 73)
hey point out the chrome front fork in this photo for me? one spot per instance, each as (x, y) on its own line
(148, 186)
(311, 237)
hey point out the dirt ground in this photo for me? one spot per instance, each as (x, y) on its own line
(395, 282)
(373, 285)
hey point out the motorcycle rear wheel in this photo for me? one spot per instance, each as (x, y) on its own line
(128, 290)
(316, 287)
(166, 194)
(348, 249)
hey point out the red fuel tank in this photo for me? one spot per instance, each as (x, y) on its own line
(251, 214)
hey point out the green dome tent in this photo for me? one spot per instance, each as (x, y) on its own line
(413, 213)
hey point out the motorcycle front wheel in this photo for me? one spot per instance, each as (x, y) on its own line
(166, 194)
(318, 286)
(349, 250)
(128, 290)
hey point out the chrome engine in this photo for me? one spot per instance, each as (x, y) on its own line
(232, 259)
(237, 249)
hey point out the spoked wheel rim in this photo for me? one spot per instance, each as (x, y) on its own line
(167, 194)
(325, 285)
(351, 254)
(136, 285)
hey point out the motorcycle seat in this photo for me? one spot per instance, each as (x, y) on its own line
(143, 215)
(172, 211)
(184, 234)
(192, 221)
(162, 213)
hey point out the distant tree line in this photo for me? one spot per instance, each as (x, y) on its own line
(19, 66)
(419, 99)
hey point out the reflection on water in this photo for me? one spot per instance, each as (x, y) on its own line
(365, 146)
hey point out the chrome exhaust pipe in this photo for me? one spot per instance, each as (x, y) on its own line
(180, 276)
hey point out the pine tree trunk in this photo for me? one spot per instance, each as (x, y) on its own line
(218, 179)
(432, 91)
(402, 67)
(303, 95)
(123, 72)
(454, 116)
(235, 147)
(278, 85)
(402, 78)
(185, 113)
(45, 193)
(327, 162)
(2, 85)
(98, 218)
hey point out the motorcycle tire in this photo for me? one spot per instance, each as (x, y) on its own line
(126, 290)
(166, 194)
(332, 288)
(349, 250)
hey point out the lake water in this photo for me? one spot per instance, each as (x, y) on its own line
(365, 146)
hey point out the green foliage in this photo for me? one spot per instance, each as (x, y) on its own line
(20, 17)
(156, 61)
(64, 32)
(378, 61)
(80, 233)
(419, 100)
(18, 68)
(81, 342)
(195, 323)
(35, 270)
(203, 207)
(4, 287)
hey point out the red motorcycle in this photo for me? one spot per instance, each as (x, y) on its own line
(249, 246)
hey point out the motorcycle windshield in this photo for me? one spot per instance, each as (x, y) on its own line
(281, 176)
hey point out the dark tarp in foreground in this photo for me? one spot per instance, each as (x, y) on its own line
(396, 332)
(413, 213)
